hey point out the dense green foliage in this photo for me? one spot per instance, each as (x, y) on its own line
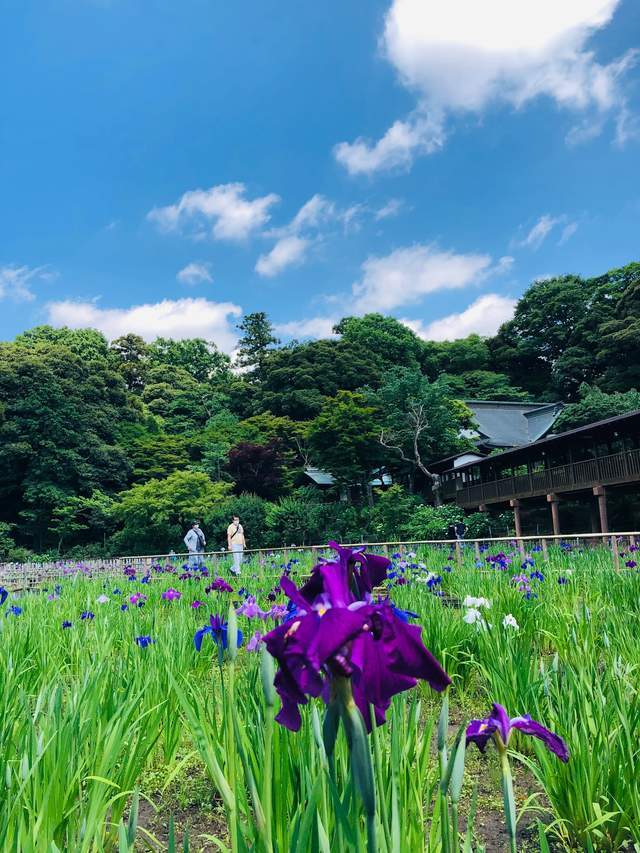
(90, 428)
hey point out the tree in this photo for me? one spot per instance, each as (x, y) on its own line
(89, 344)
(390, 342)
(256, 342)
(483, 385)
(343, 438)
(420, 423)
(130, 356)
(297, 379)
(156, 514)
(596, 405)
(201, 359)
(256, 468)
(59, 433)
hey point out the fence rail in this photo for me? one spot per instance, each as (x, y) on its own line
(25, 575)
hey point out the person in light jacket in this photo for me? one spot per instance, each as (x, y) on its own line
(236, 543)
(195, 542)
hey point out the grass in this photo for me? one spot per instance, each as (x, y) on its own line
(88, 716)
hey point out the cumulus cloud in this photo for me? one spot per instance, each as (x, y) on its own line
(16, 281)
(482, 317)
(179, 319)
(223, 211)
(195, 273)
(288, 251)
(420, 134)
(464, 56)
(406, 275)
(294, 239)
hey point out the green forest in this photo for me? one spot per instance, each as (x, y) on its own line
(113, 447)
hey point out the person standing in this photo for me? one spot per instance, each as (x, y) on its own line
(195, 542)
(236, 543)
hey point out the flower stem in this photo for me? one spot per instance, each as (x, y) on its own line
(508, 798)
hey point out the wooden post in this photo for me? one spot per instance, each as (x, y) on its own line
(545, 550)
(385, 549)
(601, 495)
(477, 549)
(552, 498)
(515, 506)
(615, 552)
(458, 553)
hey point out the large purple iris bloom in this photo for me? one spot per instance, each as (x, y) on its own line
(499, 725)
(337, 629)
(218, 629)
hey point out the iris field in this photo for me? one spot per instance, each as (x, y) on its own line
(139, 711)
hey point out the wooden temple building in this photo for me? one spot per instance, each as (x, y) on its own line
(585, 464)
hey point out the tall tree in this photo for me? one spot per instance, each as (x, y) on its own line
(343, 438)
(256, 342)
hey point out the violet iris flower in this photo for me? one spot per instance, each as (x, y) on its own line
(338, 630)
(171, 594)
(499, 726)
(250, 609)
(218, 630)
(219, 585)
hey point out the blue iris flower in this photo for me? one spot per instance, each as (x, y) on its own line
(4, 594)
(14, 610)
(218, 630)
(144, 641)
(67, 624)
(404, 615)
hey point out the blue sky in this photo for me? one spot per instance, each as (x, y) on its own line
(169, 166)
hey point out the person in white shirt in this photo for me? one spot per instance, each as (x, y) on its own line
(236, 543)
(195, 542)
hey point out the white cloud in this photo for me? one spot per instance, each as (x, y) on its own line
(539, 232)
(463, 56)
(15, 281)
(421, 134)
(296, 237)
(195, 273)
(179, 318)
(313, 327)
(482, 317)
(288, 251)
(223, 209)
(567, 233)
(406, 275)
(391, 208)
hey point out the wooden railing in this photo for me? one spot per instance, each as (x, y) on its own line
(621, 467)
(26, 575)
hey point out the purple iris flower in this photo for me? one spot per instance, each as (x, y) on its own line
(218, 629)
(138, 599)
(250, 609)
(171, 594)
(631, 564)
(277, 611)
(196, 603)
(124, 607)
(144, 641)
(87, 614)
(254, 643)
(219, 585)
(499, 726)
(339, 631)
